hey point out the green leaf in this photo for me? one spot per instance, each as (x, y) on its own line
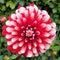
(57, 21)
(17, 1)
(47, 53)
(14, 56)
(44, 58)
(22, 58)
(3, 8)
(58, 4)
(6, 58)
(54, 1)
(51, 5)
(21, 3)
(59, 9)
(54, 10)
(56, 48)
(12, 5)
(1, 57)
(2, 39)
(2, 1)
(58, 58)
(57, 42)
(46, 1)
(33, 58)
(8, 3)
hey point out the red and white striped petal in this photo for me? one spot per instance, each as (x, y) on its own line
(53, 25)
(48, 27)
(21, 43)
(26, 13)
(13, 16)
(46, 18)
(14, 40)
(29, 46)
(21, 10)
(44, 12)
(47, 46)
(9, 43)
(22, 50)
(39, 40)
(34, 50)
(9, 29)
(8, 23)
(32, 16)
(48, 40)
(13, 23)
(41, 46)
(8, 36)
(29, 53)
(31, 9)
(53, 31)
(46, 34)
(15, 46)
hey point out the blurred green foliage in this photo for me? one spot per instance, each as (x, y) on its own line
(52, 6)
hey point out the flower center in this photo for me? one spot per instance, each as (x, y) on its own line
(29, 33)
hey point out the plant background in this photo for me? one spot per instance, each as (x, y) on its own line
(52, 6)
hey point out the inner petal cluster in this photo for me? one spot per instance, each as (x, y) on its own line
(29, 32)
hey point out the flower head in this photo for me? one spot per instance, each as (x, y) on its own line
(29, 31)
(2, 19)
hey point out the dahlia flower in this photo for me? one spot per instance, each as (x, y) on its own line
(2, 19)
(29, 31)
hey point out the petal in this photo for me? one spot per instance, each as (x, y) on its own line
(8, 23)
(29, 54)
(34, 50)
(21, 10)
(53, 25)
(31, 9)
(9, 29)
(46, 34)
(39, 40)
(15, 46)
(21, 43)
(39, 18)
(9, 43)
(8, 36)
(44, 12)
(48, 40)
(48, 27)
(32, 16)
(13, 16)
(53, 31)
(23, 49)
(41, 46)
(46, 18)
(26, 13)
(15, 33)
(36, 8)
(42, 50)
(35, 44)
(14, 40)
(13, 23)
(43, 25)
(29, 46)
(47, 46)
